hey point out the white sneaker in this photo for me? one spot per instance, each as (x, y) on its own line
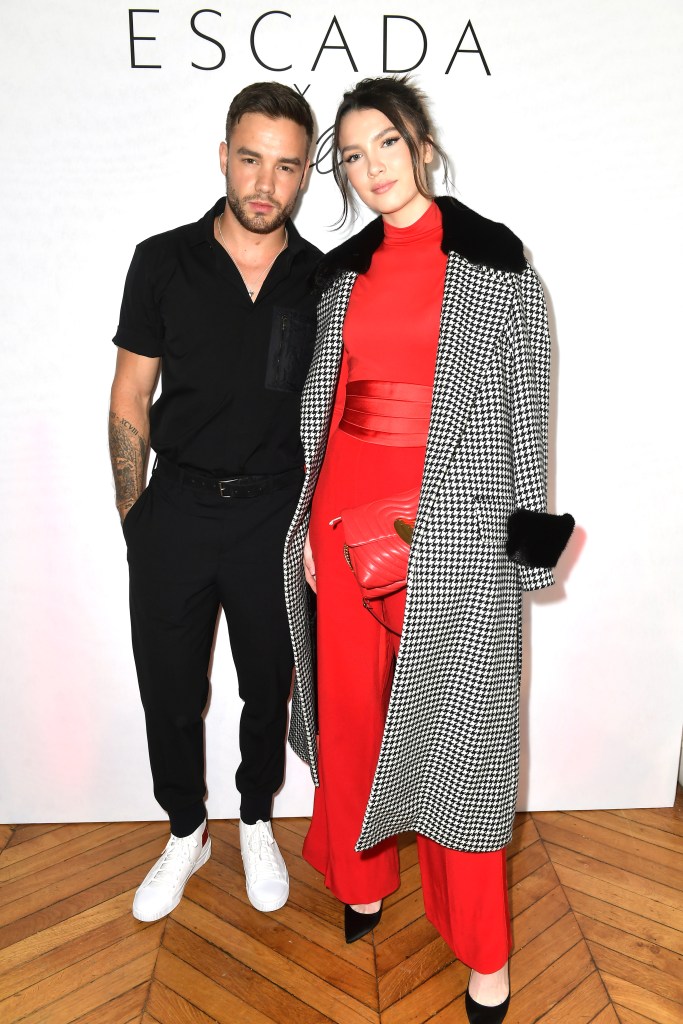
(162, 888)
(267, 878)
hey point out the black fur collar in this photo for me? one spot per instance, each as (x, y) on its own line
(478, 240)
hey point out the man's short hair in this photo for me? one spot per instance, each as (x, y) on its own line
(273, 100)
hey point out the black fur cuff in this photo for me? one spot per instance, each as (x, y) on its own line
(537, 539)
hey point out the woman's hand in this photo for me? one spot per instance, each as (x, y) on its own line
(309, 565)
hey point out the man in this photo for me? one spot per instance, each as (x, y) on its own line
(224, 309)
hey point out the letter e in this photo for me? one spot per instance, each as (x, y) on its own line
(134, 38)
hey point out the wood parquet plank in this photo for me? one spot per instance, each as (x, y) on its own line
(71, 906)
(548, 986)
(54, 836)
(272, 965)
(6, 833)
(531, 888)
(629, 997)
(67, 954)
(627, 1016)
(170, 1008)
(196, 989)
(452, 1013)
(625, 893)
(607, 1016)
(633, 924)
(633, 881)
(617, 965)
(123, 1009)
(581, 1005)
(327, 935)
(669, 822)
(391, 951)
(526, 862)
(619, 821)
(298, 825)
(633, 862)
(410, 883)
(432, 996)
(70, 979)
(400, 914)
(594, 834)
(413, 971)
(89, 998)
(632, 946)
(545, 949)
(251, 988)
(523, 834)
(116, 841)
(536, 918)
(51, 938)
(669, 819)
(76, 882)
(22, 833)
(407, 850)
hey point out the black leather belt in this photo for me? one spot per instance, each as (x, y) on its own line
(233, 486)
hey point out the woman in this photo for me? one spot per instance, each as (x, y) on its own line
(431, 370)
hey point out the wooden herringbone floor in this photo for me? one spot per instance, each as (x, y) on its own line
(596, 898)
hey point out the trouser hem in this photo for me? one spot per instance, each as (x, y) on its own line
(185, 822)
(255, 808)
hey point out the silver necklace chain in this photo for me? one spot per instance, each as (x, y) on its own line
(251, 291)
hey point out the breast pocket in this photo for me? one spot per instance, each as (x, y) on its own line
(292, 339)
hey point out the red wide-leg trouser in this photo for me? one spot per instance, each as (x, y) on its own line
(465, 894)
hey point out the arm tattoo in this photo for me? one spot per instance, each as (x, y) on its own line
(128, 450)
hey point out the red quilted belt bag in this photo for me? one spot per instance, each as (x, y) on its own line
(378, 537)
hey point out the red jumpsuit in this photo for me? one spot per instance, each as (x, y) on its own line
(390, 335)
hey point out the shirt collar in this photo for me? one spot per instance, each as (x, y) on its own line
(203, 229)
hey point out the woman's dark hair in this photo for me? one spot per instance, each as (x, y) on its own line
(274, 100)
(406, 107)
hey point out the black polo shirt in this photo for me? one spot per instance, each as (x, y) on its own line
(232, 370)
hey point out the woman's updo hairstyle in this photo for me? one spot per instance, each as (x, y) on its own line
(406, 107)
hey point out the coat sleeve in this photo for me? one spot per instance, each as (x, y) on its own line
(535, 538)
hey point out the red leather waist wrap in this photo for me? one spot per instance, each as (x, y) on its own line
(383, 412)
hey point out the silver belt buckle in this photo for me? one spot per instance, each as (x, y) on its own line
(222, 483)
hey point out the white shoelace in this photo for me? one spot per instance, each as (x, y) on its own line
(175, 858)
(261, 843)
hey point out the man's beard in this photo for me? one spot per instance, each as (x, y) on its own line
(258, 222)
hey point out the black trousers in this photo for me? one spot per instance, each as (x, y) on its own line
(189, 552)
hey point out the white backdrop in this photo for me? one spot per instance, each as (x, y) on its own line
(573, 139)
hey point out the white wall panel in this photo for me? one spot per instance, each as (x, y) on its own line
(573, 140)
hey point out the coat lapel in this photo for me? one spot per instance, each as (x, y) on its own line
(318, 395)
(475, 303)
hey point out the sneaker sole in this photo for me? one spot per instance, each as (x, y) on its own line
(171, 906)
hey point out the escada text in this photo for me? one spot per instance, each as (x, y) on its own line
(405, 43)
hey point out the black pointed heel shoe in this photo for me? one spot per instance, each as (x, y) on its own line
(478, 1014)
(357, 925)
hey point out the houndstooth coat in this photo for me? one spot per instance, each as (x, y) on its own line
(448, 764)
